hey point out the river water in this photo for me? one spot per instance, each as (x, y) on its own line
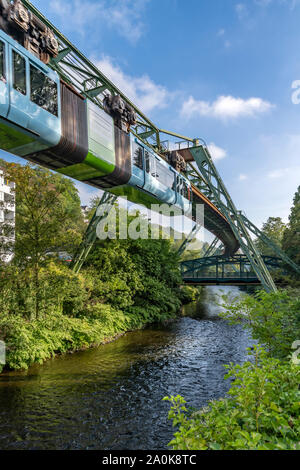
(111, 397)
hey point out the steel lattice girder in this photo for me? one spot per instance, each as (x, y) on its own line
(106, 203)
(219, 195)
(189, 239)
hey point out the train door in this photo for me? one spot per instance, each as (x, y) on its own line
(138, 164)
(4, 92)
(19, 88)
(149, 169)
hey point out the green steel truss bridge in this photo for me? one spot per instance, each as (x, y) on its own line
(222, 218)
(222, 270)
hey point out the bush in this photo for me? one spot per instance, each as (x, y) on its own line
(273, 318)
(188, 294)
(28, 342)
(262, 413)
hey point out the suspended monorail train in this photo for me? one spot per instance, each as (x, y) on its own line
(45, 120)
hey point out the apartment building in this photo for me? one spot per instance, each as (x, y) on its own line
(7, 217)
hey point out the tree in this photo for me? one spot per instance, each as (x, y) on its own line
(133, 275)
(274, 229)
(291, 236)
(48, 218)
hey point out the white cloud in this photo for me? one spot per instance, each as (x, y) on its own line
(290, 3)
(242, 10)
(216, 152)
(243, 177)
(123, 16)
(263, 3)
(279, 173)
(143, 91)
(225, 107)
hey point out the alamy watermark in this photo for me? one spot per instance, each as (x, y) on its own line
(296, 353)
(154, 223)
(2, 353)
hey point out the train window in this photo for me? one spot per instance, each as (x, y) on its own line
(164, 175)
(152, 166)
(2, 61)
(19, 73)
(185, 190)
(43, 91)
(177, 184)
(147, 161)
(138, 155)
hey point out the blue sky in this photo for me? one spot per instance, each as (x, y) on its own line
(219, 69)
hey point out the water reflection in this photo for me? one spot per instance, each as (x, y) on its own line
(110, 397)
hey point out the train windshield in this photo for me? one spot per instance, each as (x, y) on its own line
(43, 91)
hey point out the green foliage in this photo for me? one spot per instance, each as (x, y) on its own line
(273, 318)
(48, 217)
(38, 340)
(188, 294)
(261, 413)
(136, 273)
(46, 308)
(48, 213)
(274, 229)
(59, 290)
(291, 236)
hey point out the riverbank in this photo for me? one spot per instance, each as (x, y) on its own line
(34, 341)
(30, 342)
(124, 285)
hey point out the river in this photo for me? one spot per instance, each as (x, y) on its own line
(110, 397)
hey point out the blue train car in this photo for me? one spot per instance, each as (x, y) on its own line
(30, 112)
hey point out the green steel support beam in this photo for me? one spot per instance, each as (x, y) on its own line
(105, 205)
(211, 249)
(188, 239)
(277, 250)
(224, 202)
(61, 55)
(145, 135)
(93, 92)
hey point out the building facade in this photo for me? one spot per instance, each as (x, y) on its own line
(7, 217)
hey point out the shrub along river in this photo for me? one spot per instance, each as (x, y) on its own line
(111, 397)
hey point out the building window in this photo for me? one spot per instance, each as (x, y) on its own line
(2, 61)
(43, 91)
(19, 73)
(138, 156)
